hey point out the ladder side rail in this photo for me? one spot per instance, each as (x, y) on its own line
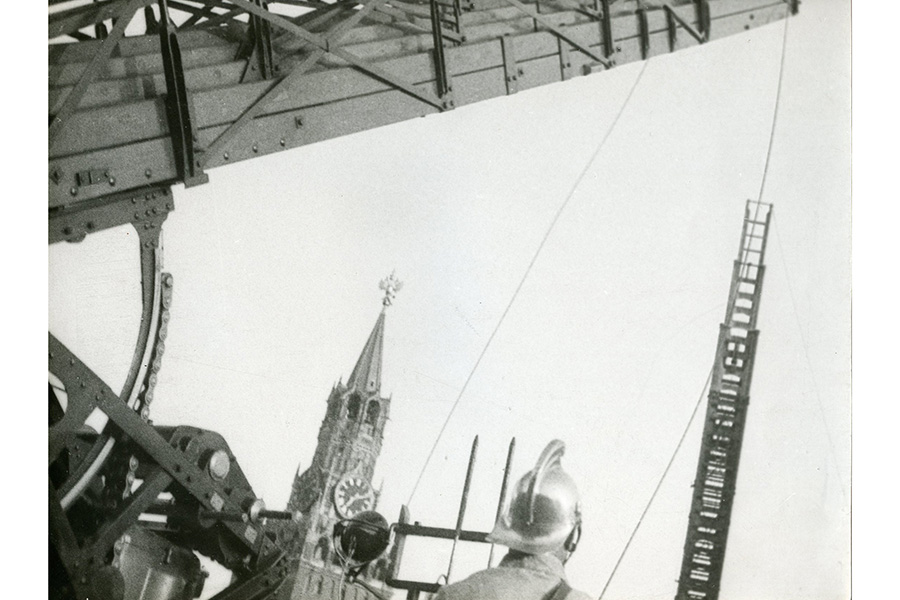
(715, 480)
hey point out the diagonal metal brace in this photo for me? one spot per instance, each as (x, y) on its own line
(325, 44)
(68, 22)
(674, 17)
(216, 149)
(558, 33)
(338, 31)
(122, 19)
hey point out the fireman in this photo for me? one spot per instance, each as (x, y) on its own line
(541, 527)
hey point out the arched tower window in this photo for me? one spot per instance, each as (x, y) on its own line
(372, 412)
(321, 551)
(353, 407)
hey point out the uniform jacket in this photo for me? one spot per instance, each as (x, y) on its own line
(517, 577)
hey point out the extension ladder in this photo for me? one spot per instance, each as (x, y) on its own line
(726, 413)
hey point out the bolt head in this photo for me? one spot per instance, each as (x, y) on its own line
(219, 465)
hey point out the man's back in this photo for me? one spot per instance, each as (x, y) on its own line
(519, 576)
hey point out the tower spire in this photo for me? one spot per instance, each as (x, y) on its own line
(366, 375)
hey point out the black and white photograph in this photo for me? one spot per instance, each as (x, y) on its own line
(449, 300)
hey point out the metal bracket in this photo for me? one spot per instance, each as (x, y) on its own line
(643, 30)
(256, 49)
(147, 206)
(795, 6)
(151, 25)
(444, 83)
(178, 105)
(672, 29)
(674, 20)
(509, 65)
(565, 60)
(703, 17)
(609, 46)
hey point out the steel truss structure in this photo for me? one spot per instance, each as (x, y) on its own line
(146, 94)
(206, 83)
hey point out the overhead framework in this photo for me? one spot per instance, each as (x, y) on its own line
(144, 94)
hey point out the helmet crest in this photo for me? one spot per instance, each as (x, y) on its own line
(544, 508)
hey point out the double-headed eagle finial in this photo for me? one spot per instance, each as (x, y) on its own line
(391, 285)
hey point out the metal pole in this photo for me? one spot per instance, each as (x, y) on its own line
(503, 487)
(462, 504)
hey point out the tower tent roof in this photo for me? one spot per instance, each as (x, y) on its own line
(366, 375)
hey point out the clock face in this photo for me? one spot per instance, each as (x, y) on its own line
(352, 495)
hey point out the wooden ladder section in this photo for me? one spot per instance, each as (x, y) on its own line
(726, 414)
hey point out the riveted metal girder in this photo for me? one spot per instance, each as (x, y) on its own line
(377, 67)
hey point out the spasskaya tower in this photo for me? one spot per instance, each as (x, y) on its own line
(338, 482)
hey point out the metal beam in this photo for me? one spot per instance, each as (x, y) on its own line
(674, 16)
(70, 21)
(338, 97)
(323, 43)
(122, 19)
(558, 33)
(182, 131)
(215, 154)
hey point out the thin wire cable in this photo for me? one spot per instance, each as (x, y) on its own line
(784, 262)
(534, 258)
(812, 373)
(661, 479)
(762, 184)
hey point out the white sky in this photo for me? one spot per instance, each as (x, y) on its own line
(276, 263)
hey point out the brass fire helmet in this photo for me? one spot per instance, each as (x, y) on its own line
(544, 508)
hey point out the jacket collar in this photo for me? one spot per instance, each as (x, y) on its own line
(544, 563)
